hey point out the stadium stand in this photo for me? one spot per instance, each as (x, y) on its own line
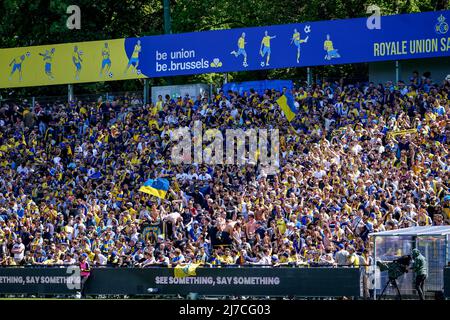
(356, 159)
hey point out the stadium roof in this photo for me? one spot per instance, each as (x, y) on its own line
(415, 232)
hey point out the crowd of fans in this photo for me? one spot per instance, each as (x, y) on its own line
(356, 159)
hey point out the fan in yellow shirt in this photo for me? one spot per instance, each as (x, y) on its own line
(155, 123)
(226, 258)
(281, 225)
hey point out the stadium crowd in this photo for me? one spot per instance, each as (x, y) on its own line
(356, 159)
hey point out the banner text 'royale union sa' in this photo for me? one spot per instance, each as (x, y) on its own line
(408, 36)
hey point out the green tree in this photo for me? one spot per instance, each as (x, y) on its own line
(36, 22)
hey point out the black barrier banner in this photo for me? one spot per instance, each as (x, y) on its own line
(447, 282)
(21, 280)
(257, 281)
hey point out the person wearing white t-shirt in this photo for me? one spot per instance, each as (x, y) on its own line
(192, 175)
(319, 174)
(181, 176)
(149, 260)
(234, 113)
(18, 250)
(22, 170)
(204, 176)
(264, 258)
(100, 259)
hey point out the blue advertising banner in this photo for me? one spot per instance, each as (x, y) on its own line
(407, 36)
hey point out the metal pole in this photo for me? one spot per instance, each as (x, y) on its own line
(308, 76)
(375, 268)
(146, 91)
(397, 71)
(447, 255)
(70, 92)
(167, 24)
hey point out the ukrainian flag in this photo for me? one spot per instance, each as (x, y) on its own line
(186, 270)
(286, 103)
(157, 187)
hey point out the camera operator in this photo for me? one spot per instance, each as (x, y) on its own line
(420, 269)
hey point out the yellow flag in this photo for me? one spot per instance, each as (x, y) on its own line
(185, 271)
